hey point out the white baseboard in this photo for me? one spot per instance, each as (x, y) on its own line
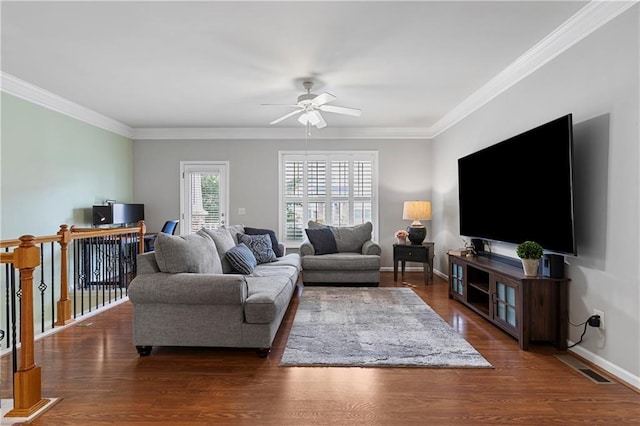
(616, 371)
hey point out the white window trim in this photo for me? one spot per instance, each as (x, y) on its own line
(205, 166)
(334, 155)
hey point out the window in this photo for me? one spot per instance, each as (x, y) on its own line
(203, 199)
(336, 188)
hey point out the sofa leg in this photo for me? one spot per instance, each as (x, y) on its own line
(263, 352)
(144, 350)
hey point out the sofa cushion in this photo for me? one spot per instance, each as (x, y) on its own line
(341, 262)
(223, 242)
(266, 297)
(322, 240)
(272, 235)
(234, 230)
(260, 246)
(242, 259)
(348, 238)
(291, 259)
(193, 253)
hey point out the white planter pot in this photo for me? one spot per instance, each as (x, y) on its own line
(530, 267)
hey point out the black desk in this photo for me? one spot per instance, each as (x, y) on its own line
(107, 261)
(422, 253)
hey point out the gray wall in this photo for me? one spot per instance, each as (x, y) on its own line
(598, 81)
(404, 174)
(54, 168)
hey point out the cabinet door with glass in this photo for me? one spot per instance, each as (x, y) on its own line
(456, 282)
(505, 304)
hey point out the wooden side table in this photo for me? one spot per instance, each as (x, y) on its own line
(422, 253)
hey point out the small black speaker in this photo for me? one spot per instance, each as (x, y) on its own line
(553, 265)
(478, 245)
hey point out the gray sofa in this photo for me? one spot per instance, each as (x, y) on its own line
(182, 296)
(356, 260)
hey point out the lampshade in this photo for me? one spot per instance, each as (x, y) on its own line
(416, 210)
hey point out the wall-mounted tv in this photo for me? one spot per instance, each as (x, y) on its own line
(521, 189)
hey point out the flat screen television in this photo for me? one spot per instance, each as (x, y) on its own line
(521, 189)
(118, 213)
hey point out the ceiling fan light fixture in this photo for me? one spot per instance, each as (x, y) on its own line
(309, 106)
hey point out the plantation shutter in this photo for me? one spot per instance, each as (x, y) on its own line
(338, 189)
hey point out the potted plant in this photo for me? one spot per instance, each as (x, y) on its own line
(530, 252)
(402, 235)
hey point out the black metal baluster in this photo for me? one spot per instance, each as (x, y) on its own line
(53, 287)
(7, 301)
(42, 287)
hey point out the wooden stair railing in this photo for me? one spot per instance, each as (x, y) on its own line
(25, 257)
(66, 236)
(27, 385)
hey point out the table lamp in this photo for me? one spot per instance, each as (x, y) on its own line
(417, 211)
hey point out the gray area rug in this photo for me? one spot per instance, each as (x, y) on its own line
(367, 327)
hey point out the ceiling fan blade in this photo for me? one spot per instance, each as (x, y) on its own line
(323, 98)
(341, 110)
(284, 117)
(316, 119)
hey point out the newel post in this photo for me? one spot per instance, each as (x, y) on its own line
(143, 230)
(27, 386)
(63, 315)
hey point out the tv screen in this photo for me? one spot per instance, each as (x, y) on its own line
(128, 213)
(118, 214)
(521, 189)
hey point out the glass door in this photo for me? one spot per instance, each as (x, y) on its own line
(506, 308)
(457, 280)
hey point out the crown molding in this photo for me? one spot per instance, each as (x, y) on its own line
(280, 133)
(27, 91)
(587, 20)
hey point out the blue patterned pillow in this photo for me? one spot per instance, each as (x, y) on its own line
(274, 240)
(241, 258)
(260, 246)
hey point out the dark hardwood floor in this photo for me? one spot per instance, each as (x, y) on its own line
(103, 381)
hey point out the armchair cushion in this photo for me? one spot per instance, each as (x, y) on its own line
(322, 240)
(348, 238)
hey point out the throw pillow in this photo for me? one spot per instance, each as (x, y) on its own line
(351, 238)
(194, 253)
(241, 258)
(260, 246)
(274, 240)
(223, 242)
(322, 240)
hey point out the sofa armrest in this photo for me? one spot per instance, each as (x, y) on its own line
(306, 248)
(371, 247)
(283, 248)
(147, 263)
(188, 289)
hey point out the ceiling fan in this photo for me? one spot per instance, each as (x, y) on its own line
(309, 106)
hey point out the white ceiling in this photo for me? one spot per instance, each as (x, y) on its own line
(147, 64)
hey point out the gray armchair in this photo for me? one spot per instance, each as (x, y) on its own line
(353, 260)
